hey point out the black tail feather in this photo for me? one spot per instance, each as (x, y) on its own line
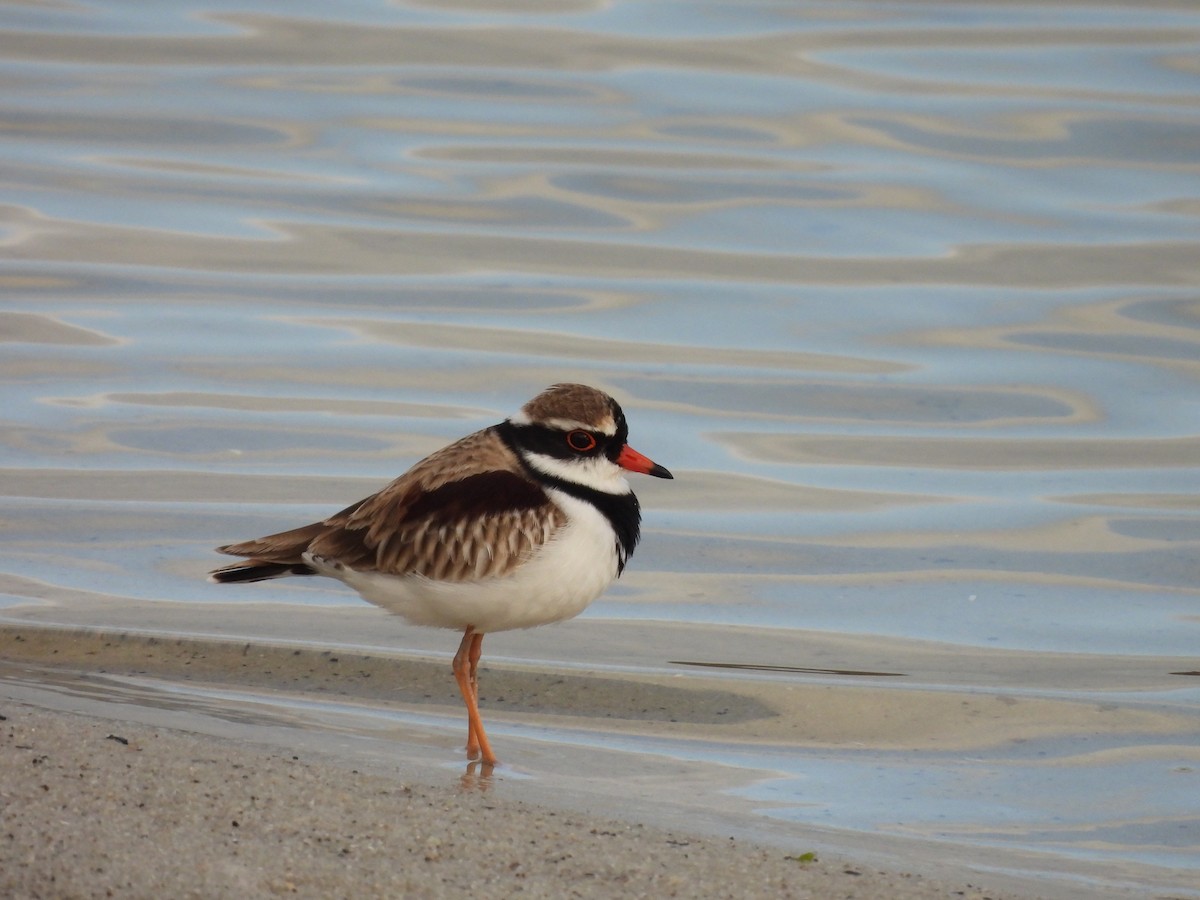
(253, 570)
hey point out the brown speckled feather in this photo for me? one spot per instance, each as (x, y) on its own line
(468, 511)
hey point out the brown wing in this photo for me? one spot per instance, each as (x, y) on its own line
(465, 512)
(483, 524)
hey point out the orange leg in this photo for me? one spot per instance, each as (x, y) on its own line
(466, 665)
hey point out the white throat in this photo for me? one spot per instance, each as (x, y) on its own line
(599, 473)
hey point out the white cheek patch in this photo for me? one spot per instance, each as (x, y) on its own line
(599, 473)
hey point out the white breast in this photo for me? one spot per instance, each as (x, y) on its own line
(558, 582)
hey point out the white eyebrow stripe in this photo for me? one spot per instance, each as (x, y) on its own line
(608, 427)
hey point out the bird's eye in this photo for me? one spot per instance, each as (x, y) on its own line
(580, 441)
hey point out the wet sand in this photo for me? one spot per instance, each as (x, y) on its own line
(125, 753)
(711, 704)
(97, 808)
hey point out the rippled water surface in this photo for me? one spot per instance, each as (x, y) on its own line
(905, 294)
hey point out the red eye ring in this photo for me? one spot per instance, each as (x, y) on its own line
(580, 441)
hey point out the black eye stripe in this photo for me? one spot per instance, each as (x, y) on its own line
(556, 443)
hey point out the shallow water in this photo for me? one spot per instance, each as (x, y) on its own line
(903, 293)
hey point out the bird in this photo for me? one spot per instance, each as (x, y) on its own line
(520, 524)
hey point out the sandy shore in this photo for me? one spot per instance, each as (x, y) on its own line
(141, 766)
(94, 807)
